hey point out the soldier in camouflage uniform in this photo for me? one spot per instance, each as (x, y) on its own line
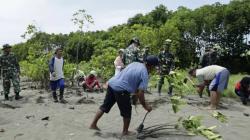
(145, 53)
(210, 57)
(166, 65)
(10, 71)
(131, 53)
(205, 58)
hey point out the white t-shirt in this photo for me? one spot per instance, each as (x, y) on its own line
(208, 73)
(58, 69)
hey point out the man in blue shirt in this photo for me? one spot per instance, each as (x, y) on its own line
(132, 79)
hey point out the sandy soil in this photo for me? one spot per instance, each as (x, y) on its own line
(22, 120)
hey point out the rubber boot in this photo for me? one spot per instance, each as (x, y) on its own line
(159, 89)
(170, 90)
(54, 96)
(61, 97)
(18, 97)
(6, 97)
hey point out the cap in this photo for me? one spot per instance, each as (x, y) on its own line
(136, 40)
(121, 50)
(152, 60)
(93, 72)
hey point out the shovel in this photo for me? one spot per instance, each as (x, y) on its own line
(141, 126)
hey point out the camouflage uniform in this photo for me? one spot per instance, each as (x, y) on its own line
(131, 54)
(10, 70)
(166, 65)
(145, 53)
(210, 57)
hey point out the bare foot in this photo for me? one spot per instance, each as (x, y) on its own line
(95, 128)
(212, 107)
(128, 133)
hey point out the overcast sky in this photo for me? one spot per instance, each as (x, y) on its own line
(54, 16)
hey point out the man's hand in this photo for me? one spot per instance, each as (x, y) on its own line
(140, 95)
(148, 108)
(53, 74)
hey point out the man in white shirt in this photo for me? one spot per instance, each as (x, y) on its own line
(218, 76)
(56, 75)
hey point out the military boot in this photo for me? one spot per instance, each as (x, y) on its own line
(18, 97)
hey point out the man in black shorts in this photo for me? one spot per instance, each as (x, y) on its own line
(132, 79)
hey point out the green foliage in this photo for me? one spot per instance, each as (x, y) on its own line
(155, 18)
(193, 125)
(20, 51)
(81, 19)
(85, 47)
(190, 31)
(30, 30)
(103, 64)
(219, 116)
(69, 69)
(36, 66)
(176, 103)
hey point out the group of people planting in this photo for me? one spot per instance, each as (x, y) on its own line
(132, 69)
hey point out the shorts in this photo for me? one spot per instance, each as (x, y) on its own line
(220, 82)
(54, 85)
(123, 101)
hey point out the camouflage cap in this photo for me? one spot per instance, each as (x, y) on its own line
(135, 40)
(6, 46)
(147, 48)
(167, 42)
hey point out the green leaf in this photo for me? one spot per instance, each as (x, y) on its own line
(219, 116)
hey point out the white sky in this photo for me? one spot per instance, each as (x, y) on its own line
(54, 16)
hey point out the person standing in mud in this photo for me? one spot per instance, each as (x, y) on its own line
(118, 62)
(210, 57)
(10, 71)
(218, 76)
(56, 75)
(132, 79)
(166, 59)
(131, 53)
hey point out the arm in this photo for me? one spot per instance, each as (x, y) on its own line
(172, 67)
(140, 95)
(51, 65)
(141, 88)
(116, 62)
(17, 65)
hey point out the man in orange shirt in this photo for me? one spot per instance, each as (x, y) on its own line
(242, 89)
